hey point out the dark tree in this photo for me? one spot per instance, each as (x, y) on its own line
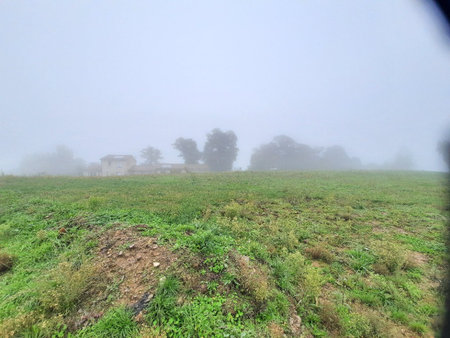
(151, 155)
(284, 153)
(220, 150)
(60, 162)
(188, 150)
(403, 160)
(444, 150)
(336, 158)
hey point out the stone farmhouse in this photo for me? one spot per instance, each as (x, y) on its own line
(117, 165)
(120, 165)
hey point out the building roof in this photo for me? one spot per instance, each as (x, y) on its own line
(117, 158)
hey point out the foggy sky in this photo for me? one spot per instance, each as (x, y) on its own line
(112, 77)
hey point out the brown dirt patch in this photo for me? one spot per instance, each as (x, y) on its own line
(418, 258)
(129, 266)
(316, 264)
(378, 230)
(134, 260)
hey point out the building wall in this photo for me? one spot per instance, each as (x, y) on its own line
(117, 167)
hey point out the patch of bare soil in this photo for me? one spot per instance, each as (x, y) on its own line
(135, 260)
(130, 266)
(382, 325)
(418, 258)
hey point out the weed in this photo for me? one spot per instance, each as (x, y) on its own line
(236, 210)
(115, 323)
(360, 260)
(94, 203)
(329, 317)
(418, 327)
(277, 306)
(65, 285)
(389, 259)
(399, 316)
(311, 283)
(252, 278)
(162, 306)
(212, 287)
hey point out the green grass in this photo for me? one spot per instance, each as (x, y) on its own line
(352, 254)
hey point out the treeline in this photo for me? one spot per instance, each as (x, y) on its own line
(284, 153)
(220, 152)
(60, 162)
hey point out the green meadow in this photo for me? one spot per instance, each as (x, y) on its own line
(351, 254)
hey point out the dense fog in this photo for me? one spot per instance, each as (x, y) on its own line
(258, 85)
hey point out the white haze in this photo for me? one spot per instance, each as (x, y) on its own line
(112, 77)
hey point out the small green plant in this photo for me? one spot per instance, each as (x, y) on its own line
(418, 327)
(94, 202)
(212, 287)
(399, 316)
(162, 307)
(360, 260)
(117, 323)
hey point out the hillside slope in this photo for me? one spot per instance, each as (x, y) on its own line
(254, 254)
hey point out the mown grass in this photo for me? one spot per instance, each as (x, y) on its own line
(351, 254)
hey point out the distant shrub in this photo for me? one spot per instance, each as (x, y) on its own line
(320, 253)
(6, 262)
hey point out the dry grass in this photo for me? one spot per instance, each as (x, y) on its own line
(252, 278)
(320, 253)
(6, 262)
(329, 317)
(275, 330)
(66, 285)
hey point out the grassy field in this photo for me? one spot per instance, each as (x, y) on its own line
(241, 254)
